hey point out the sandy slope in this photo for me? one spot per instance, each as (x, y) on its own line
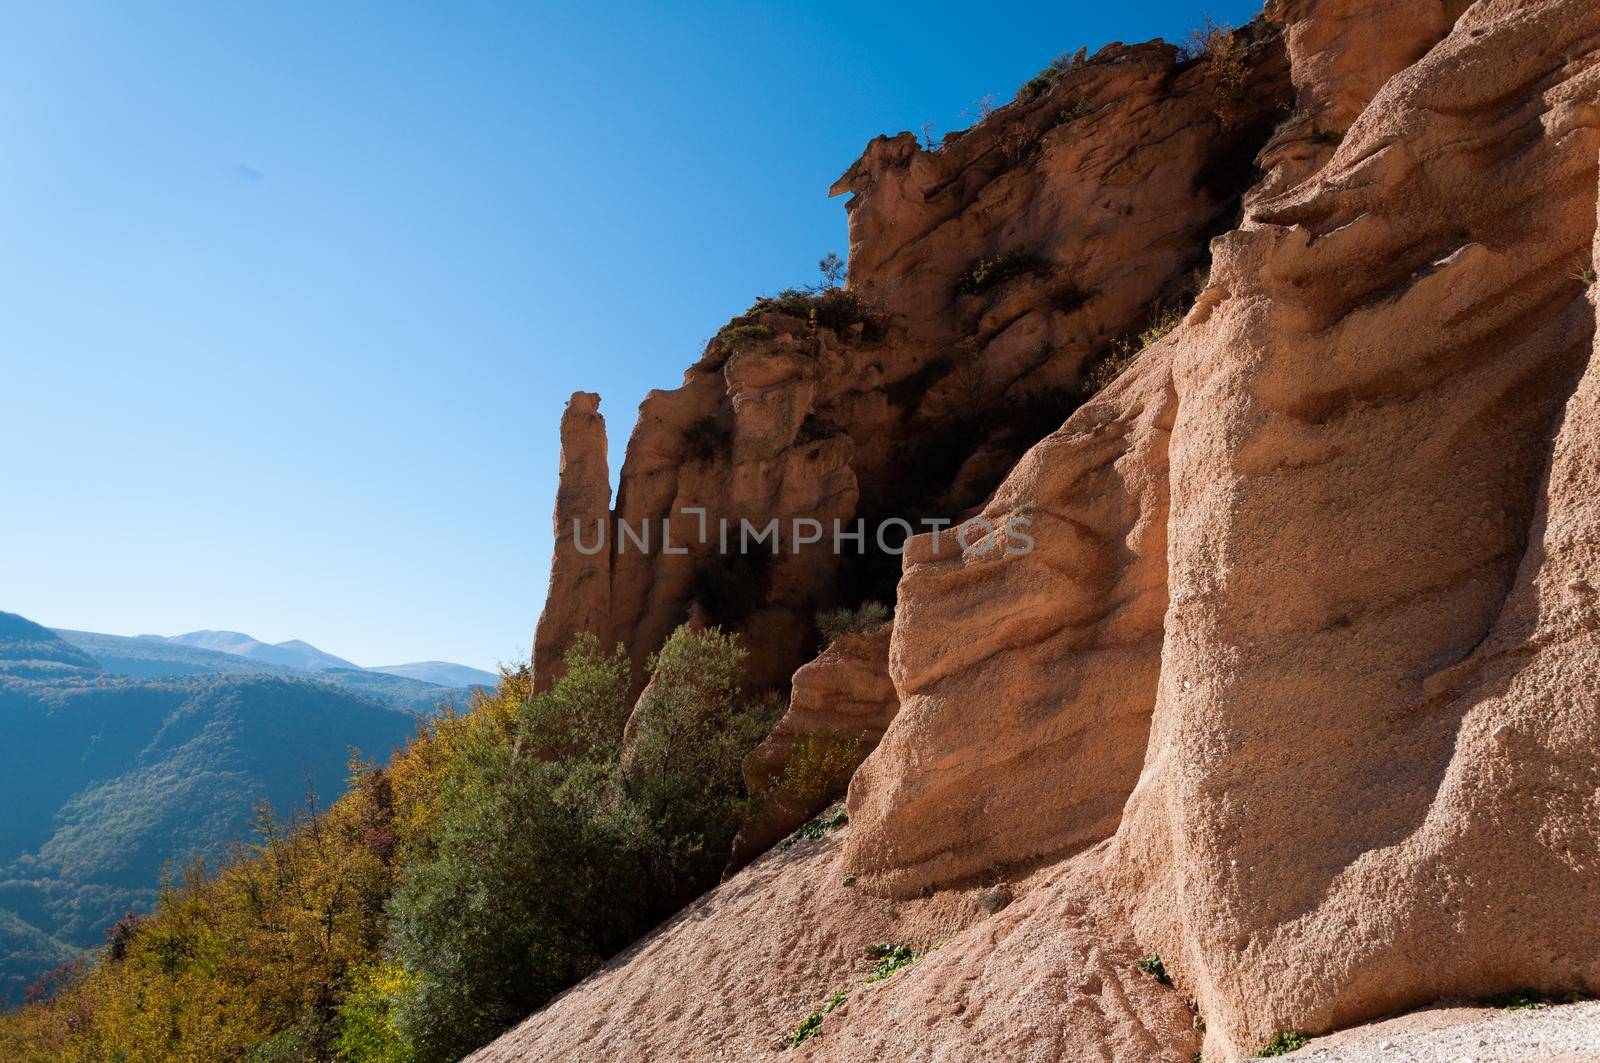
(1044, 978)
(1565, 1034)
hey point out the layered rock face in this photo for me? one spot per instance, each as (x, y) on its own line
(1299, 686)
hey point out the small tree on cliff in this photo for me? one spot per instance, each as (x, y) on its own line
(832, 268)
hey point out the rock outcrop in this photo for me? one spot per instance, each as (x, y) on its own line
(1354, 673)
(839, 706)
(1299, 685)
(579, 599)
(1026, 681)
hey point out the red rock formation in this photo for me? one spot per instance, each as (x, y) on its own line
(839, 705)
(1298, 687)
(1372, 779)
(984, 276)
(1026, 680)
(579, 599)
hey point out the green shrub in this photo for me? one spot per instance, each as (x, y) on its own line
(1041, 82)
(1222, 53)
(553, 851)
(1152, 966)
(831, 308)
(866, 619)
(737, 336)
(807, 1029)
(1523, 999)
(816, 827)
(812, 1024)
(1284, 1043)
(1081, 107)
(891, 958)
(820, 765)
(989, 273)
(367, 1030)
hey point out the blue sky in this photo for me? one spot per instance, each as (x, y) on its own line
(292, 294)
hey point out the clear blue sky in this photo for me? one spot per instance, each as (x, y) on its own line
(292, 294)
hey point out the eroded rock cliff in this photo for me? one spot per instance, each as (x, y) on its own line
(985, 278)
(1299, 688)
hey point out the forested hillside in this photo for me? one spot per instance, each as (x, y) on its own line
(110, 779)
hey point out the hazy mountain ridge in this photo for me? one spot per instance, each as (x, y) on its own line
(154, 656)
(441, 673)
(294, 653)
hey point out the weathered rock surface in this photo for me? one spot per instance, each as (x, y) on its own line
(1341, 53)
(1026, 681)
(839, 706)
(1372, 776)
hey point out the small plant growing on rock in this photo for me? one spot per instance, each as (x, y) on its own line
(811, 1025)
(1284, 1043)
(744, 335)
(868, 618)
(832, 268)
(1518, 1000)
(1041, 82)
(981, 108)
(994, 899)
(807, 1029)
(1081, 108)
(834, 308)
(1219, 50)
(988, 273)
(1152, 966)
(890, 958)
(815, 827)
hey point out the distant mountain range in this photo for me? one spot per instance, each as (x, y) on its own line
(442, 673)
(419, 687)
(124, 755)
(294, 653)
(308, 658)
